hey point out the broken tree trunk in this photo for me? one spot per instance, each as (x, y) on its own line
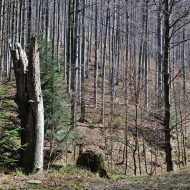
(30, 103)
(20, 64)
(93, 162)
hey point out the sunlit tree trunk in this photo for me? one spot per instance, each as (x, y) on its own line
(30, 102)
(126, 87)
(96, 57)
(103, 66)
(1, 38)
(159, 57)
(146, 54)
(74, 67)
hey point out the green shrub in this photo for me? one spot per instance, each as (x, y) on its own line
(56, 111)
(9, 145)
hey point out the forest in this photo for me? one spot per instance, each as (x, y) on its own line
(105, 77)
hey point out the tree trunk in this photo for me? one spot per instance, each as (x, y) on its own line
(29, 19)
(126, 88)
(159, 57)
(20, 63)
(36, 110)
(30, 103)
(103, 67)
(1, 40)
(96, 58)
(74, 68)
(146, 54)
(83, 65)
(167, 89)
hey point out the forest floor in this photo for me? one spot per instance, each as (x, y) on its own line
(70, 177)
(77, 179)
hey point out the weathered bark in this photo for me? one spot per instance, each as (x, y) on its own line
(20, 63)
(36, 110)
(29, 100)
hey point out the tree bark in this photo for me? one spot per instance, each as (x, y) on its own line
(83, 110)
(36, 110)
(30, 103)
(96, 58)
(1, 40)
(166, 75)
(20, 63)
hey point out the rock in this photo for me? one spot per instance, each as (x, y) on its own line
(33, 181)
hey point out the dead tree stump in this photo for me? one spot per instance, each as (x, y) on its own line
(93, 162)
(30, 102)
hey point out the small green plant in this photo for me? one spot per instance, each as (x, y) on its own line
(5, 181)
(14, 187)
(70, 183)
(7, 104)
(70, 169)
(51, 177)
(117, 122)
(118, 177)
(79, 187)
(1, 91)
(142, 175)
(9, 145)
(30, 186)
(18, 172)
(2, 118)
